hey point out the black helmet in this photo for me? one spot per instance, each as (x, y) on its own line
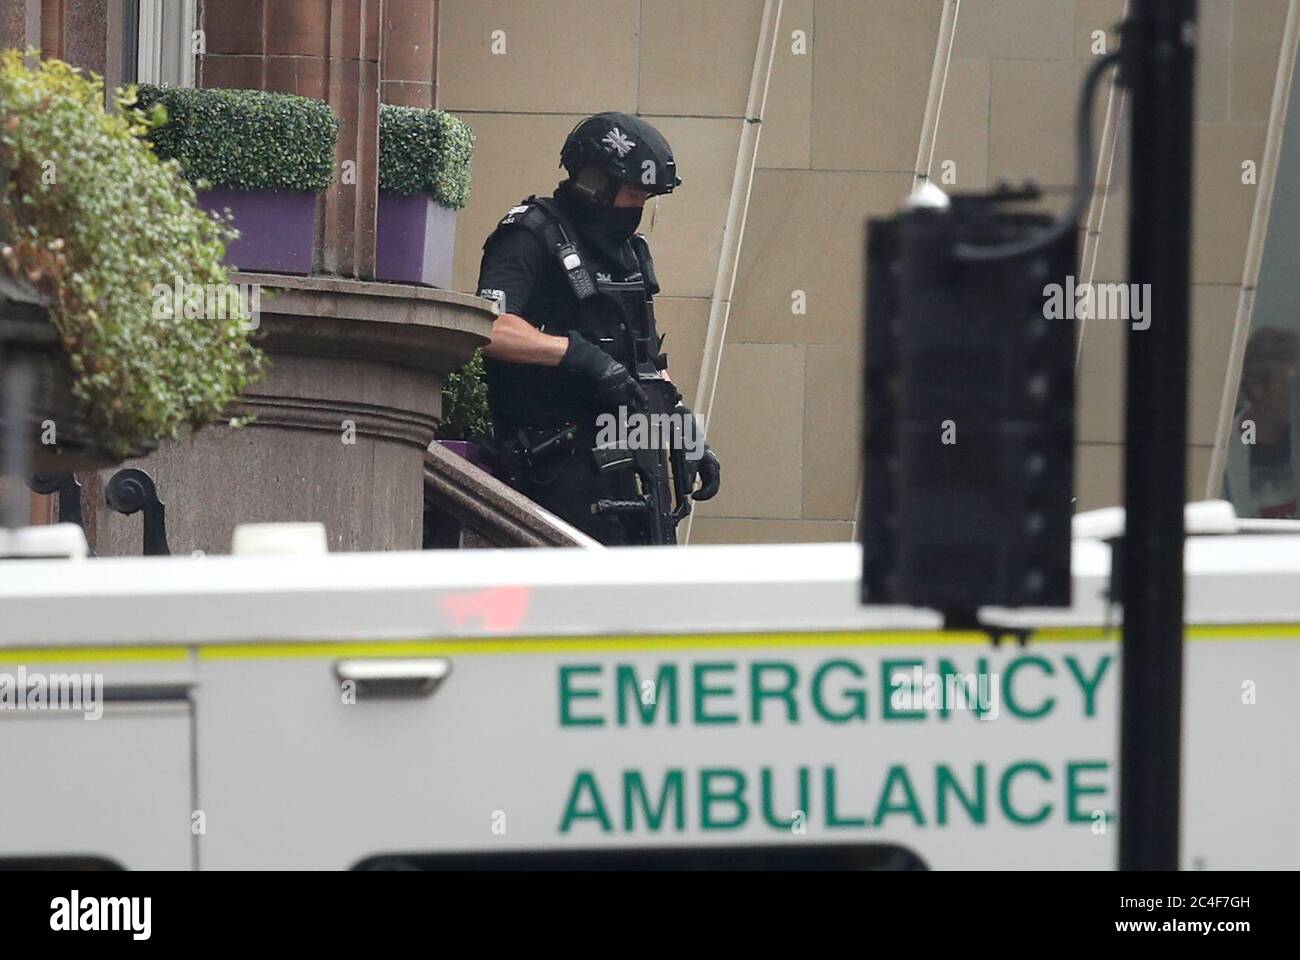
(628, 149)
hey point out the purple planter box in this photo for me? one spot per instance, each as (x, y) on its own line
(414, 240)
(468, 449)
(276, 227)
(442, 531)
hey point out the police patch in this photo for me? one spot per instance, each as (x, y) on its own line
(496, 296)
(513, 214)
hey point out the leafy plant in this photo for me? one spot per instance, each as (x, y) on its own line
(425, 151)
(465, 413)
(96, 220)
(248, 139)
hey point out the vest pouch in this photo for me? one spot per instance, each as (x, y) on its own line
(602, 322)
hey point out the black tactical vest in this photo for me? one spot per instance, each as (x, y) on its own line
(616, 315)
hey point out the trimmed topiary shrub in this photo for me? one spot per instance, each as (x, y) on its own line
(425, 151)
(465, 414)
(95, 220)
(246, 139)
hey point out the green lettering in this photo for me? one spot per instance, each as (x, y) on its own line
(702, 691)
(567, 719)
(758, 693)
(736, 796)
(963, 685)
(946, 782)
(585, 780)
(1004, 793)
(832, 818)
(769, 806)
(1073, 790)
(1008, 678)
(630, 689)
(856, 696)
(634, 786)
(1089, 687)
(898, 775)
(888, 710)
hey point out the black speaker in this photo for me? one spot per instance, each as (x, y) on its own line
(969, 409)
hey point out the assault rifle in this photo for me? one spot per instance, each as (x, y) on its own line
(664, 478)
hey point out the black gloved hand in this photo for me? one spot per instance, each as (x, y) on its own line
(710, 474)
(707, 468)
(615, 387)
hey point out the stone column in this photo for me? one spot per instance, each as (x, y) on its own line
(341, 422)
(410, 54)
(20, 24)
(329, 50)
(77, 31)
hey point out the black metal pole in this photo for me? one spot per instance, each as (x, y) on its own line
(1160, 42)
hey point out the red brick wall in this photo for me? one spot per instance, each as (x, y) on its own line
(410, 61)
(329, 50)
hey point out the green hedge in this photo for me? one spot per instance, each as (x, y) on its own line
(248, 139)
(97, 221)
(425, 151)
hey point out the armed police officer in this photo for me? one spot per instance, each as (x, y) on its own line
(575, 348)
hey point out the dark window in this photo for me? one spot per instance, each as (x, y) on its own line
(130, 41)
(60, 862)
(786, 856)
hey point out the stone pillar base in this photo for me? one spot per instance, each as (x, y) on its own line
(342, 421)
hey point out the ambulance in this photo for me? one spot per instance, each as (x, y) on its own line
(706, 705)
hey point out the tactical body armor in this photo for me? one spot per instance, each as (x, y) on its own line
(616, 313)
(546, 417)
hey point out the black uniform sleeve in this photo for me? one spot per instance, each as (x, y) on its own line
(512, 271)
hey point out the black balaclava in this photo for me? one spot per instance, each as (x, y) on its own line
(605, 229)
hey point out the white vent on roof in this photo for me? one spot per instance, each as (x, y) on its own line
(58, 541)
(1204, 517)
(279, 540)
